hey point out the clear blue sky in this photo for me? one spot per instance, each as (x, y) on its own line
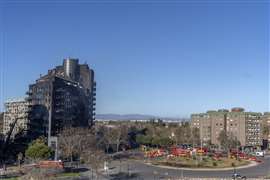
(168, 59)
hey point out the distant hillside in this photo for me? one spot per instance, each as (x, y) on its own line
(133, 117)
(123, 116)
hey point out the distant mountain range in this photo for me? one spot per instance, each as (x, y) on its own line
(134, 117)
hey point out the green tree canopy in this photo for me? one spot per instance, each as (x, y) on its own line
(162, 141)
(38, 150)
(144, 139)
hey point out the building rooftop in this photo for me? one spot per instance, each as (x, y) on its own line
(18, 99)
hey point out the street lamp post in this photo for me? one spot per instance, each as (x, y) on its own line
(201, 141)
(182, 174)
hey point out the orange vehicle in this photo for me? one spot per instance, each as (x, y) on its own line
(51, 164)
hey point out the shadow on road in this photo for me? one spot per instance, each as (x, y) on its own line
(123, 176)
(76, 170)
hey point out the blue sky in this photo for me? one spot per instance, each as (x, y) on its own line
(167, 59)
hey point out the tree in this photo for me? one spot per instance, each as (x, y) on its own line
(10, 146)
(183, 134)
(162, 141)
(227, 141)
(95, 159)
(195, 136)
(73, 141)
(144, 139)
(38, 150)
(107, 137)
(112, 136)
(119, 136)
(68, 142)
(265, 131)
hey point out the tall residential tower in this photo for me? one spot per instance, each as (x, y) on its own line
(64, 97)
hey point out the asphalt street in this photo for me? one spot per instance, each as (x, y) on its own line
(144, 171)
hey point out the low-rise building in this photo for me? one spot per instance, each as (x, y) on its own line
(16, 111)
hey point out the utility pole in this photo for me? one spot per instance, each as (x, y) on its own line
(201, 127)
(237, 155)
(49, 125)
(182, 174)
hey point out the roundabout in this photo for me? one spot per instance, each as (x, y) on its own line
(254, 170)
(251, 164)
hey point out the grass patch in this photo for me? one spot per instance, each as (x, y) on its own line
(205, 162)
(69, 174)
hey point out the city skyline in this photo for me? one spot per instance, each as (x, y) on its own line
(148, 59)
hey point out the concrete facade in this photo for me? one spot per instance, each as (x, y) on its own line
(16, 109)
(253, 129)
(245, 126)
(266, 124)
(218, 124)
(1, 122)
(203, 123)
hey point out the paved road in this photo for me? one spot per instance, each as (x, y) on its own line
(143, 171)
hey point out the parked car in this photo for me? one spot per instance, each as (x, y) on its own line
(259, 154)
(238, 176)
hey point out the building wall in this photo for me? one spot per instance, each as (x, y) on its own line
(70, 106)
(245, 126)
(236, 126)
(202, 122)
(218, 124)
(16, 109)
(1, 122)
(266, 123)
(253, 129)
(66, 94)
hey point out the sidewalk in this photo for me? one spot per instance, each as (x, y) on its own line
(205, 169)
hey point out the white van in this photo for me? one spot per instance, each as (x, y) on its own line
(259, 154)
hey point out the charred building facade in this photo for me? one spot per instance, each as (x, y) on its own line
(1, 122)
(65, 97)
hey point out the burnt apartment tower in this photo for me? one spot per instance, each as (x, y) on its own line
(64, 97)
